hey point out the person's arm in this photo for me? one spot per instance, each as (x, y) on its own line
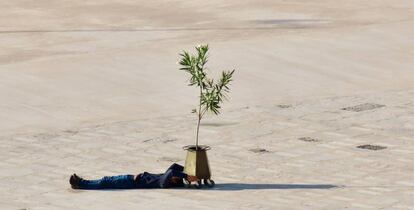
(183, 175)
(179, 174)
(176, 167)
(192, 178)
(165, 178)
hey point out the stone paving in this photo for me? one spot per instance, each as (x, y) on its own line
(275, 156)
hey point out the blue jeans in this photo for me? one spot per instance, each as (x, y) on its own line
(109, 182)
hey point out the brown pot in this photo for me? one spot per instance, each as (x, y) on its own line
(196, 164)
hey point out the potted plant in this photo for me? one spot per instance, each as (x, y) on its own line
(211, 95)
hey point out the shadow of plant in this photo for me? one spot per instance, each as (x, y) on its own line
(292, 23)
(218, 124)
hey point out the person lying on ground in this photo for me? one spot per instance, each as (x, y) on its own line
(173, 177)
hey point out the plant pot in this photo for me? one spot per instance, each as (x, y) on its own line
(196, 164)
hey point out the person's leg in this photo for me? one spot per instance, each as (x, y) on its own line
(90, 184)
(109, 182)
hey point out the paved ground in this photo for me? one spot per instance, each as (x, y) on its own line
(292, 156)
(93, 87)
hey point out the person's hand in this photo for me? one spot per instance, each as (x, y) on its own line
(192, 178)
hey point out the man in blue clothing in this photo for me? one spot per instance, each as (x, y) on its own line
(173, 177)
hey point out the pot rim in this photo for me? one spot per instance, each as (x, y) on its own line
(200, 147)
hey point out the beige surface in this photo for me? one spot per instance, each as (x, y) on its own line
(82, 83)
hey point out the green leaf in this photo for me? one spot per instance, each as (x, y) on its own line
(212, 93)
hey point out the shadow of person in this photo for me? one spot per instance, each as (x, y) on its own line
(242, 186)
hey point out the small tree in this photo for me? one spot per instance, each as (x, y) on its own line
(212, 93)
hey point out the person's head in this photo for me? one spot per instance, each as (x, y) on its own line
(176, 181)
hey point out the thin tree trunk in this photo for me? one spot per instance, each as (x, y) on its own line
(198, 129)
(199, 119)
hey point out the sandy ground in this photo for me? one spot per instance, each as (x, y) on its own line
(93, 87)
